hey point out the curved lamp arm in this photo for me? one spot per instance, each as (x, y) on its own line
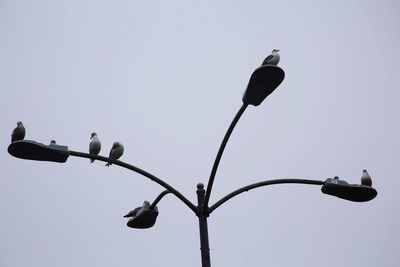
(263, 82)
(32, 150)
(260, 184)
(160, 196)
(140, 171)
(220, 151)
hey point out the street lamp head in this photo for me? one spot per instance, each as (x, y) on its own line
(142, 217)
(28, 149)
(353, 192)
(263, 82)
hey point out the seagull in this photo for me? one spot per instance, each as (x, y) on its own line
(134, 212)
(116, 152)
(18, 133)
(94, 146)
(272, 59)
(366, 179)
(146, 204)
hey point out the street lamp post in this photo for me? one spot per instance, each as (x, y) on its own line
(263, 82)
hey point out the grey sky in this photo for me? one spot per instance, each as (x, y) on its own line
(165, 78)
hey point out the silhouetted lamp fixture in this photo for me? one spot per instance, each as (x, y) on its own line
(144, 217)
(263, 82)
(352, 192)
(28, 149)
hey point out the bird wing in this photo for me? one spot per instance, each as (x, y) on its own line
(268, 59)
(18, 133)
(132, 212)
(17, 130)
(117, 152)
(94, 146)
(111, 153)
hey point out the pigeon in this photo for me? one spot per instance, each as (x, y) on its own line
(272, 59)
(94, 146)
(18, 133)
(366, 179)
(116, 152)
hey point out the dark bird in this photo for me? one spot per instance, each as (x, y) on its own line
(94, 146)
(366, 179)
(133, 213)
(272, 59)
(52, 142)
(18, 133)
(116, 152)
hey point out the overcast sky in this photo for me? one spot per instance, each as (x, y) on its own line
(165, 78)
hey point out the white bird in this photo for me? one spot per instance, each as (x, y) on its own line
(272, 59)
(366, 179)
(94, 146)
(18, 133)
(116, 152)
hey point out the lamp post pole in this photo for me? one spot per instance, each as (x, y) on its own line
(202, 214)
(263, 82)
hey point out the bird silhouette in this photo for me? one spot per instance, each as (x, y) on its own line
(116, 152)
(18, 133)
(272, 59)
(366, 179)
(94, 146)
(134, 212)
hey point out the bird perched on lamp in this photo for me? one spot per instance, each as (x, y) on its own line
(133, 212)
(272, 59)
(366, 179)
(94, 146)
(18, 133)
(116, 152)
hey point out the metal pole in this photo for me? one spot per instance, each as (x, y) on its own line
(202, 214)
